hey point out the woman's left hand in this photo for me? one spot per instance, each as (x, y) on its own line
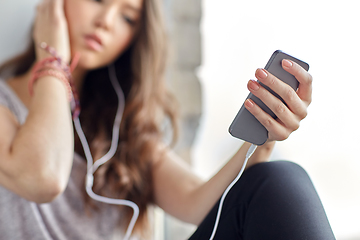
(288, 115)
(51, 27)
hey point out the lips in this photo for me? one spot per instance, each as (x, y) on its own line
(94, 42)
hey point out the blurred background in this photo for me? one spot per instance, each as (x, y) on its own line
(240, 36)
(216, 48)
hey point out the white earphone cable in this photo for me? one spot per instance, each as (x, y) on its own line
(248, 155)
(92, 167)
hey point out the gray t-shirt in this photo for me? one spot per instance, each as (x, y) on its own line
(64, 218)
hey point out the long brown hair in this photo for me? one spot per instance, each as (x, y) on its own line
(140, 70)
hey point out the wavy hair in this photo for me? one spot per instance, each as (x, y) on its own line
(140, 70)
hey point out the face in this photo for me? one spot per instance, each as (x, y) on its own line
(100, 30)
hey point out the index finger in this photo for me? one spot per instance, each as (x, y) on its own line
(305, 79)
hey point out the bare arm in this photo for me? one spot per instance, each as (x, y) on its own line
(182, 194)
(36, 157)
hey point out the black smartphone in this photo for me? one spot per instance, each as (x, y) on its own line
(245, 126)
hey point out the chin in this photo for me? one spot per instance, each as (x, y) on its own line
(90, 64)
(89, 60)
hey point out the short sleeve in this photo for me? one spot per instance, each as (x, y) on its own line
(9, 99)
(4, 101)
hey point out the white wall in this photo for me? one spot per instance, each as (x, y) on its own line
(240, 36)
(16, 18)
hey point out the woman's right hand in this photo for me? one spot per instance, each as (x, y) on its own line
(51, 28)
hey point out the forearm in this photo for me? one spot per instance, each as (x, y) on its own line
(42, 149)
(204, 197)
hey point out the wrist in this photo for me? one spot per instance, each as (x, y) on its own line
(54, 66)
(262, 153)
(269, 143)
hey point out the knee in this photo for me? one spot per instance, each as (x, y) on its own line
(280, 174)
(278, 183)
(278, 169)
(285, 177)
(282, 194)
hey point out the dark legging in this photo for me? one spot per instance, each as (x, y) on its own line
(273, 200)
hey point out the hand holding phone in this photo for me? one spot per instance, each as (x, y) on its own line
(245, 126)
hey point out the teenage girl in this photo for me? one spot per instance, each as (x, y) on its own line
(81, 51)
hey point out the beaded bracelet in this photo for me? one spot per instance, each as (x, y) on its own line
(51, 72)
(46, 64)
(54, 66)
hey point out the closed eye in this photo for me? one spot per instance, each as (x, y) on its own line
(129, 20)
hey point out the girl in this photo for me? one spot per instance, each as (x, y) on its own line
(43, 160)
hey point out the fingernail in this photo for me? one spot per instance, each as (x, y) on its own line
(261, 73)
(287, 63)
(249, 103)
(253, 85)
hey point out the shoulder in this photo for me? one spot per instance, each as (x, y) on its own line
(8, 119)
(9, 102)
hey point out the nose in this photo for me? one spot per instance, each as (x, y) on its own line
(106, 17)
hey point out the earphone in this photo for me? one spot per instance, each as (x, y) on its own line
(92, 167)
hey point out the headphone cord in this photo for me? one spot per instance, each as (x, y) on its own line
(92, 167)
(248, 155)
